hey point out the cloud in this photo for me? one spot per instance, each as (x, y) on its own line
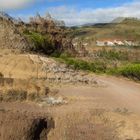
(14, 4)
(74, 16)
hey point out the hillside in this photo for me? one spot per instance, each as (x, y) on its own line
(39, 35)
(57, 84)
(127, 29)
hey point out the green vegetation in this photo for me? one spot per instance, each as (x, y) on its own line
(41, 43)
(131, 71)
(113, 54)
(77, 64)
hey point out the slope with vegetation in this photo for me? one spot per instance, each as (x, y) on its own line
(101, 107)
(107, 59)
(39, 35)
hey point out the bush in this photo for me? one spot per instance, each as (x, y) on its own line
(77, 64)
(131, 71)
(41, 43)
(15, 95)
(33, 96)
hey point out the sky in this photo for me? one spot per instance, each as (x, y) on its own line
(73, 12)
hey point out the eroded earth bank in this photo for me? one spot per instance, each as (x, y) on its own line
(67, 104)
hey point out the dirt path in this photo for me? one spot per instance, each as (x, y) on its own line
(118, 92)
(111, 112)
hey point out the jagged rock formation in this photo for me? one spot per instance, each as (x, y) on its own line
(10, 37)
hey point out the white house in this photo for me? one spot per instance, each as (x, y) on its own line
(100, 43)
(115, 42)
(109, 43)
(118, 42)
(129, 43)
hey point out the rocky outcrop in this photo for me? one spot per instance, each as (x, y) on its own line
(10, 37)
(43, 32)
(60, 73)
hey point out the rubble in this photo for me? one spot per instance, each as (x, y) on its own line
(60, 73)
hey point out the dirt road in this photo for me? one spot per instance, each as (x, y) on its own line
(109, 112)
(117, 92)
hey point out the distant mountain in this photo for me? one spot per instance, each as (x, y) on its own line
(87, 24)
(125, 19)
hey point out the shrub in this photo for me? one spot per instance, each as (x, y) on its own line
(41, 43)
(15, 95)
(33, 96)
(77, 64)
(131, 71)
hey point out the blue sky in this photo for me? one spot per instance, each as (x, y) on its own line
(74, 12)
(43, 5)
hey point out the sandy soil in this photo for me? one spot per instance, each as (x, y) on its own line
(111, 112)
(108, 112)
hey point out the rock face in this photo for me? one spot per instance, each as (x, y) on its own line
(9, 35)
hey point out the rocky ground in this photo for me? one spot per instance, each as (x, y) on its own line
(76, 105)
(30, 66)
(18, 125)
(102, 113)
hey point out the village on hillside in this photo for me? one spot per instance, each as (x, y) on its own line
(116, 42)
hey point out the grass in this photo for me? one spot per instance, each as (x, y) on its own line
(77, 64)
(13, 95)
(130, 71)
(113, 54)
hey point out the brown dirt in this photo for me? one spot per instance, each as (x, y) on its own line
(109, 112)
(102, 113)
(17, 125)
